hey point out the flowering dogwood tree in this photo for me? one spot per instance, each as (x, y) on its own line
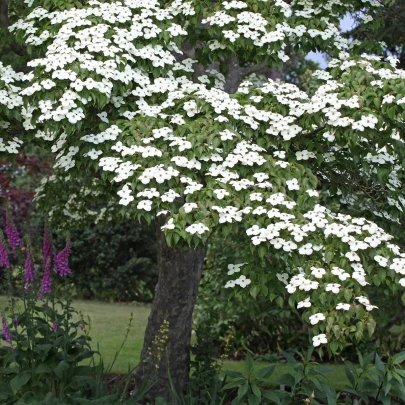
(148, 110)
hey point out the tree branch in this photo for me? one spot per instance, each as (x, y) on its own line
(397, 317)
(236, 73)
(4, 20)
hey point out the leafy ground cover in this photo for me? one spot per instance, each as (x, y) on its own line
(108, 326)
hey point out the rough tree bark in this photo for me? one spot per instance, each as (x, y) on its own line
(175, 296)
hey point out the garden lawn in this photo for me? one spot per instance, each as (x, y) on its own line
(108, 327)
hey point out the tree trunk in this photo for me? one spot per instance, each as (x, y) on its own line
(175, 296)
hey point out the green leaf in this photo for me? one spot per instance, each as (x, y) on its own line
(254, 291)
(60, 368)
(398, 358)
(249, 363)
(350, 373)
(329, 254)
(272, 396)
(42, 368)
(391, 112)
(243, 390)
(371, 326)
(256, 391)
(280, 301)
(387, 388)
(20, 380)
(265, 372)
(290, 359)
(262, 250)
(264, 289)
(334, 346)
(233, 374)
(234, 384)
(253, 400)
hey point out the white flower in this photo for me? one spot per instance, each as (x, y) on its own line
(304, 304)
(256, 197)
(197, 228)
(93, 154)
(292, 184)
(314, 319)
(312, 193)
(289, 246)
(363, 300)
(345, 307)
(340, 273)
(370, 307)
(144, 205)
(382, 261)
(234, 268)
(353, 257)
(221, 193)
(283, 277)
(291, 288)
(306, 249)
(243, 281)
(308, 285)
(318, 272)
(334, 288)
(188, 207)
(168, 225)
(304, 155)
(230, 284)
(319, 339)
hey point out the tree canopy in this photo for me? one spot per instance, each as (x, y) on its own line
(135, 98)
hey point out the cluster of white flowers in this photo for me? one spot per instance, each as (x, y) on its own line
(123, 23)
(239, 21)
(10, 99)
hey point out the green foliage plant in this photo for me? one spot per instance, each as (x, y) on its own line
(113, 262)
(249, 383)
(44, 350)
(372, 379)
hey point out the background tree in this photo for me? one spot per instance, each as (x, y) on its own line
(114, 262)
(386, 24)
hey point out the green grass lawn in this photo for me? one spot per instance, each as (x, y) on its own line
(109, 326)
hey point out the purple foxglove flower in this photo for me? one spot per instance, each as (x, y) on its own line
(6, 333)
(62, 261)
(29, 274)
(3, 253)
(12, 234)
(47, 247)
(46, 280)
(55, 326)
(16, 322)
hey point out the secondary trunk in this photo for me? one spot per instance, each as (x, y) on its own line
(175, 296)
